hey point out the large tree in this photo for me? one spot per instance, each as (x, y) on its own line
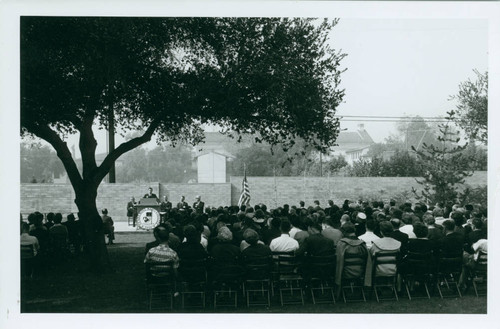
(472, 107)
(277, 77)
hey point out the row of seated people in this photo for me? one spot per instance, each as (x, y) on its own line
(320, 238)
(47, 243)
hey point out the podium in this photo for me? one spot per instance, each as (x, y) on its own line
(148, 213)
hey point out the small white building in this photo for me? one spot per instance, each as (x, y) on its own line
(353, 145)
(212, 166)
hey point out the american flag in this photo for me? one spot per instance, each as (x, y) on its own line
(245, 192)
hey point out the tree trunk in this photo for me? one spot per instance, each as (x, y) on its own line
(93, 236)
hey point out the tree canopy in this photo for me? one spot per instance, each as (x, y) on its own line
(472, 107)
(277, 77)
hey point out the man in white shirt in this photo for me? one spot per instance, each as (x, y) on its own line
(408, 227)
(284, 243)
(369, 236)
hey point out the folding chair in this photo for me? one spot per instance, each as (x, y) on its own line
(353, 274)
(384, 273)
(321, 278)
(226, 277)
(257, 281)
(289, 280)
(416, 270)
(160, 284)
(449, 269)
(27, 261)
(480, 274)
(193, 275)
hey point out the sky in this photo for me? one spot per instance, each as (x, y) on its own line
(406, 67)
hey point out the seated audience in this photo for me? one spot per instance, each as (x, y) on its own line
(256, 248)
(191, 248)
(316, 244)
(224, 250)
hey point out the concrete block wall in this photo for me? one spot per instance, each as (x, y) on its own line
(60, 197)
(269, 190)
(280, 190)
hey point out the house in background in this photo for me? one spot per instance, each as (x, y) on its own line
(353, 145)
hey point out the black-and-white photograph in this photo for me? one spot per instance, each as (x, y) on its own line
(285, 160)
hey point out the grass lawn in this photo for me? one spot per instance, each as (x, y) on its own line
(67, 289)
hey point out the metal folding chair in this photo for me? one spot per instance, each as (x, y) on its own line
(257, 281)
(321, 278)
(289, 280)
(449, 269)
(480, 275)
(416, 270)
(160, 285)
(353, 275)
(386, 278)
(193, 281)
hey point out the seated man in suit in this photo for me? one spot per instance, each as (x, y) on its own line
(198, 205)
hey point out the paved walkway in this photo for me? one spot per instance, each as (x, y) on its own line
(121, 226)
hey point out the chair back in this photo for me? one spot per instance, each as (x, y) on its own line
(322, 267)
(418, 263)
(449, 264)
(257, 268)
(160, 272)
(193, 271)
(481, 262)
(385, 263)
(287, 264)
(27, 251)
(224, 270)
(354, 264)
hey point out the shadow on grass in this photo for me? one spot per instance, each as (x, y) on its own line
(66, 288)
